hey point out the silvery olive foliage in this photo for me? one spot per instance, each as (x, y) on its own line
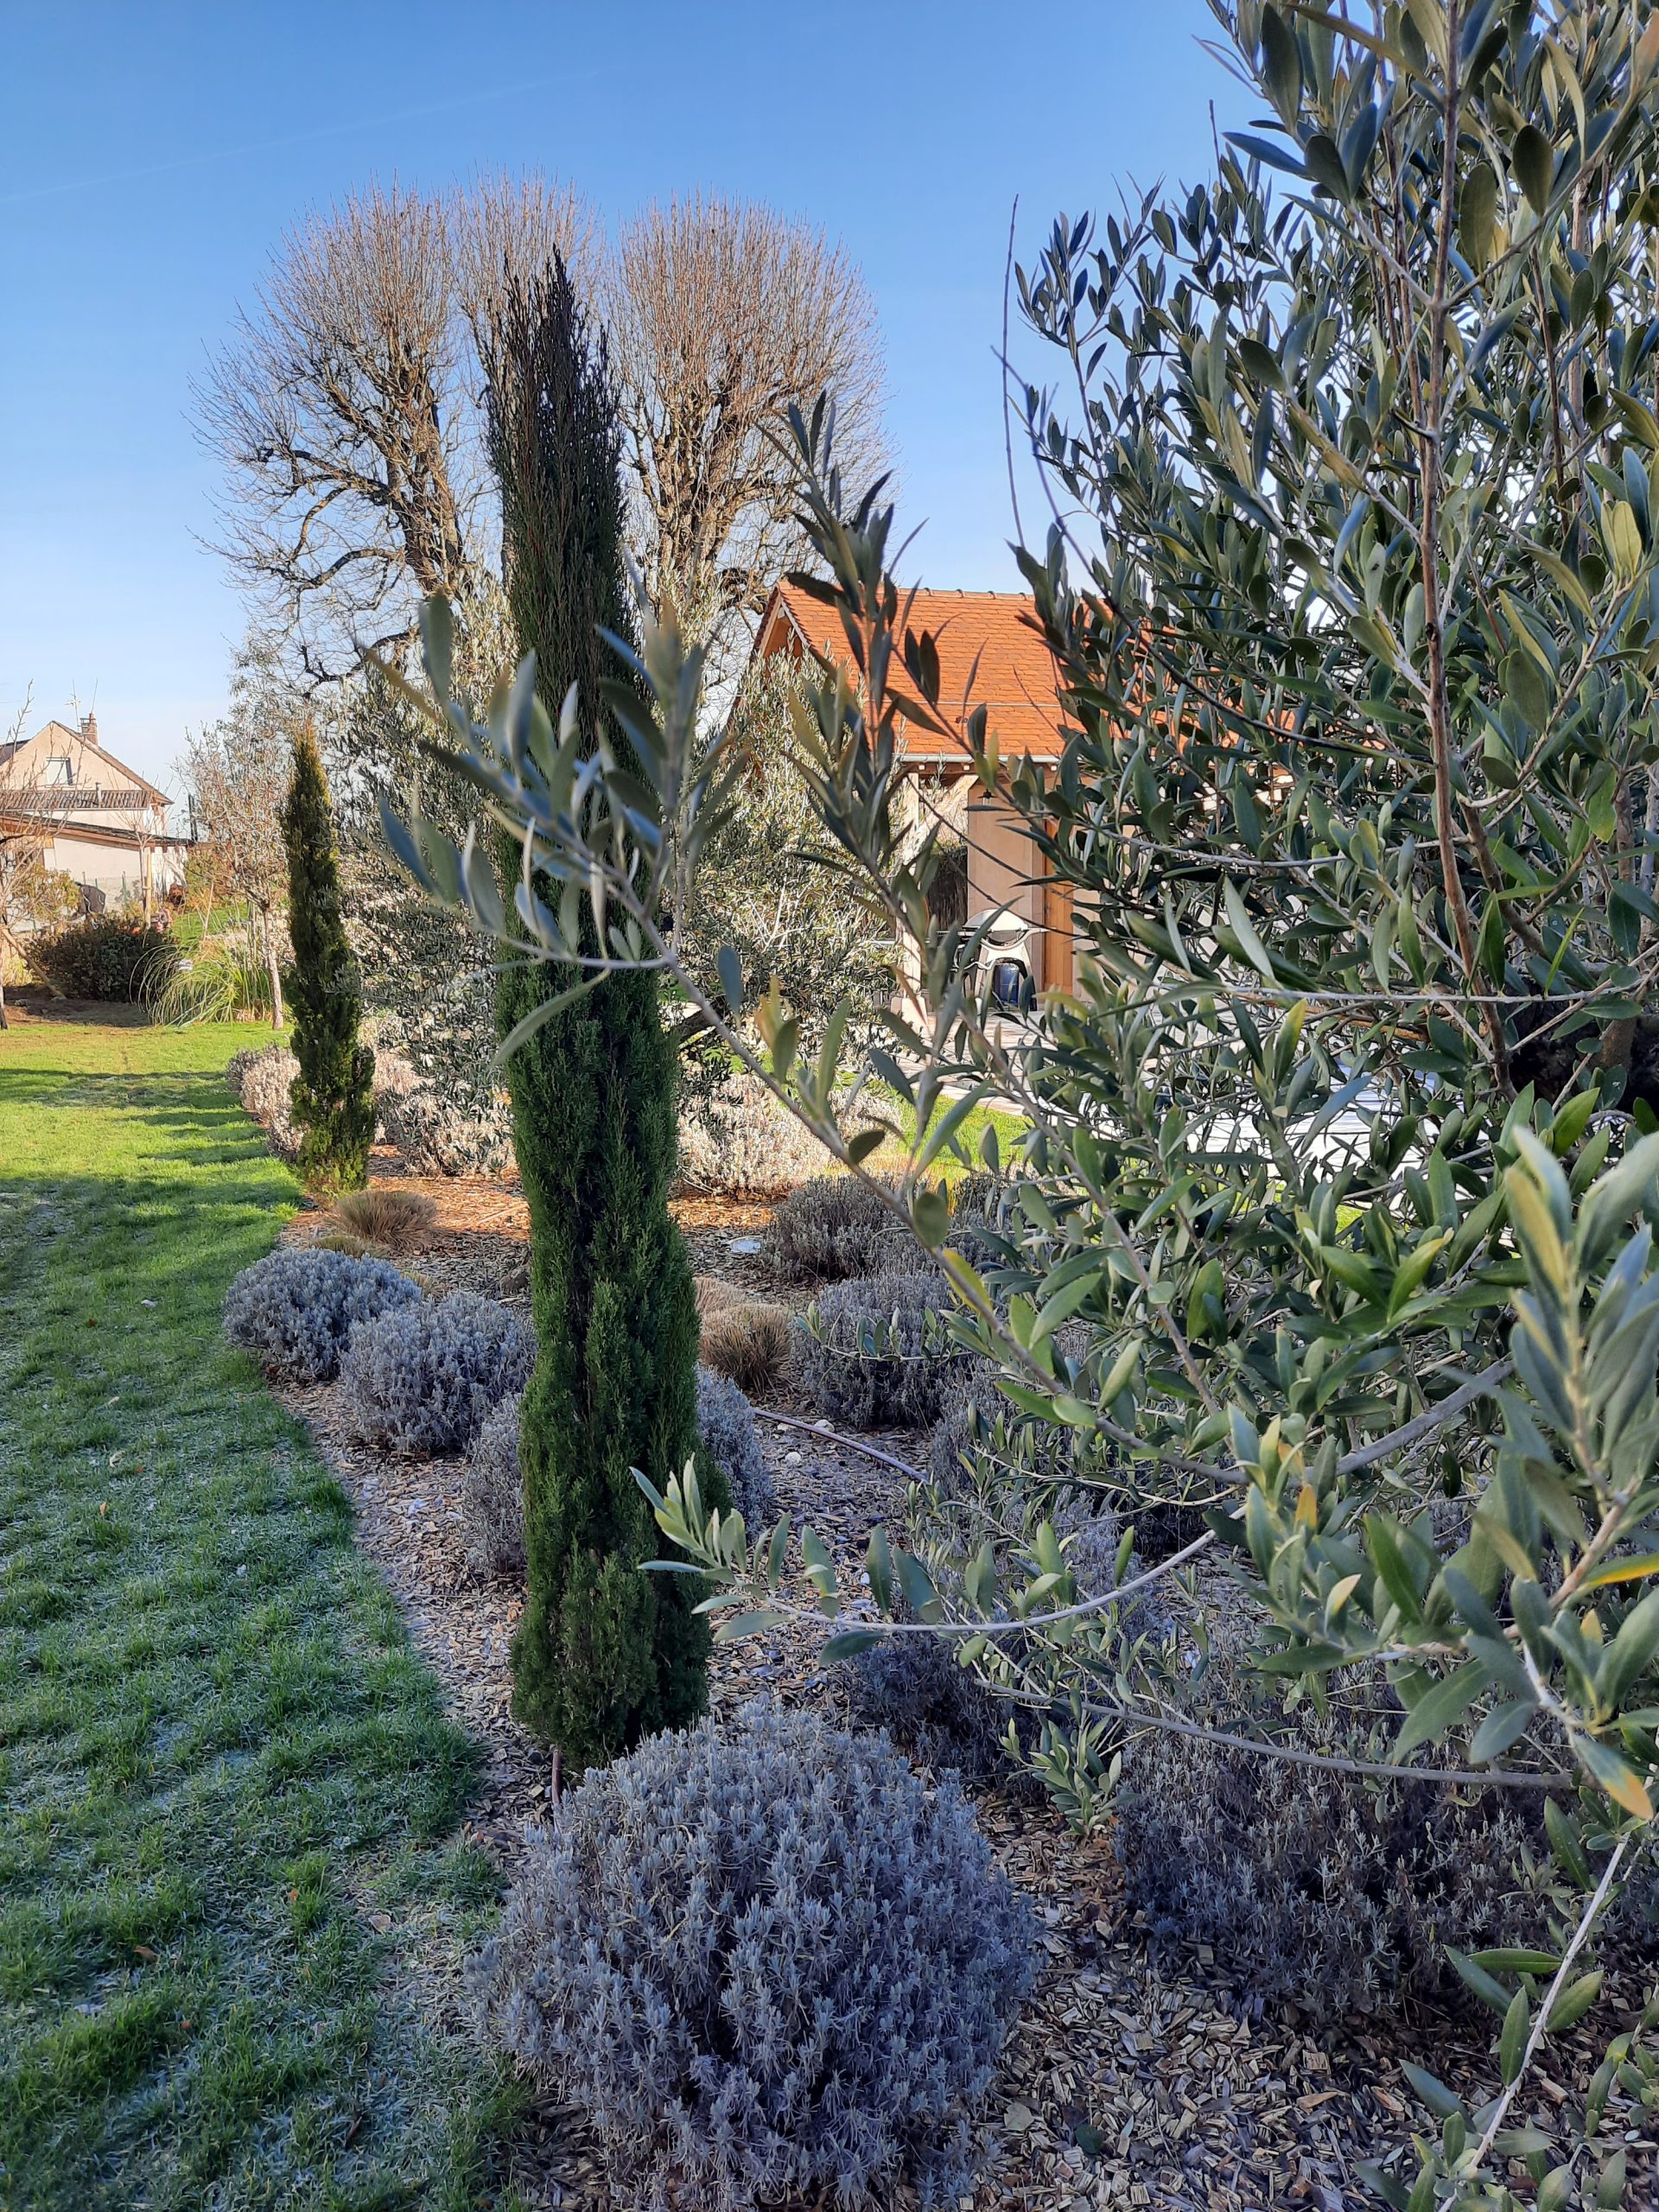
(874, 1353)
(421, 1381)
(1333, 1223)
(426, 980)
(297, 1310)
(725, 1430)
(712, 1929)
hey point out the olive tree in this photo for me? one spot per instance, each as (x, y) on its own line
(1334, 1219)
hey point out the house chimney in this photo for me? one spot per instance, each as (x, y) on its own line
(89, 728)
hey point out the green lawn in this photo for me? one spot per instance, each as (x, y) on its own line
(1010, 1128)
(228, 1790)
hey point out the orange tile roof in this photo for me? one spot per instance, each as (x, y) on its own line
(1017, 678)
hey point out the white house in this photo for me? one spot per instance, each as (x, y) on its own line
(109, 825)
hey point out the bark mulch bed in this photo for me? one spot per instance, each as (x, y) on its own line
(1130, 2080)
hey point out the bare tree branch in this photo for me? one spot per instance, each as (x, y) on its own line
(721, 314)
(345, 410)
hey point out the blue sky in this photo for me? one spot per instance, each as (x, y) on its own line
(153, 155)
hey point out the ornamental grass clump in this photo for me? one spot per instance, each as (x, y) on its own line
(873, 1352)
(397, 1218)
(296, 1311)
(749, 1342)
(763, 1961)
(421, 1382)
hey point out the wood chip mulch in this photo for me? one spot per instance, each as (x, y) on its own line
(1130, 2080)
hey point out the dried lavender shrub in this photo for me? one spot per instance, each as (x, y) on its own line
(1336, 1893)
(297, 1310)
(878, 1356)
(938, 1712)
(726, 1427)
(749, 1342)
(421, 1382)
(837, 1226)
(493, 1495)
(763, 1961)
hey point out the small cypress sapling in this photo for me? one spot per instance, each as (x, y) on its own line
(334, 1091)
(605, 1655)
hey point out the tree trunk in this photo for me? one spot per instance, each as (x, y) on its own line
(273, 969)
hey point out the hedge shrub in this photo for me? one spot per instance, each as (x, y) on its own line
(117, 959)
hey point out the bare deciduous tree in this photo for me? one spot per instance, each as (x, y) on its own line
(505, 227)
(238, 771)
(346, 409)
(721, 314)
(346, 413)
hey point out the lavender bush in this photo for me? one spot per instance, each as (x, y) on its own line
(741, 1140)
(296, 1309)
(726, 1428)
(421, 1381)
(833, 1226)
(263, 1081)
(874, 1353)
(492, 1494)
(762, 1962)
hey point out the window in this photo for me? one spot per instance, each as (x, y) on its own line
(59, 769)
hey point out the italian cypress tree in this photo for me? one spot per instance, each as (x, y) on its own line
(334, 1091)
(604, 1654)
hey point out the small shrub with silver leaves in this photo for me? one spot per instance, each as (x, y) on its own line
(264, 1081)
(296, 1311)
(726, 1432)
(715, 1927)
(492, 1494)
(421, 1381)
(837, 1226)
(493, 1491)
(873, 1352)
